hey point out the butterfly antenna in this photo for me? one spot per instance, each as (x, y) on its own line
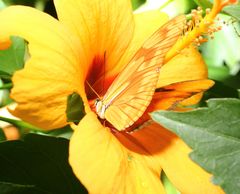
(94, 91)
(104, 71)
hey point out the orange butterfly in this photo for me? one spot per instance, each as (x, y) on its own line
(132, 91)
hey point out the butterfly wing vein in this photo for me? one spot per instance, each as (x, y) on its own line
(132, 90)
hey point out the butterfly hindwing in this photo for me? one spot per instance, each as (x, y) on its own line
(132, 91)
(168, 97)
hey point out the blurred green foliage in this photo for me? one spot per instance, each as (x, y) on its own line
(233, 10)
(32, 3)
(37, 165)
(137, 3)
(12, 59)
(203, 3)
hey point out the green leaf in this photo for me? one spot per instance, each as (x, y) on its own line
(213, 133)
(4, 75)
(20, 124)
(233, 10)
(65, 132)
(9, 188)
(41, 162)
(12, 59)
(2, 136)
(75, 108)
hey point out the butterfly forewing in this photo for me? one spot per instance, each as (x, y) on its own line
(132, 91)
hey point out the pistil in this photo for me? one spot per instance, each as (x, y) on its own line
(198, 27)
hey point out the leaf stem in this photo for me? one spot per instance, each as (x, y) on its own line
(20, 124)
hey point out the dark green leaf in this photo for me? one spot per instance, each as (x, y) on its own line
(219, 90)
(233, 10)
(5, 75)
(9, 188)
(19, 2)
(41, 162)
(12, 59)
(213, 133)
(65, 132)
(2, 136)
(75, 108)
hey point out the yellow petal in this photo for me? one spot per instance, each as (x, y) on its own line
(188, 65)
(185, 93)
(192, 100)
(104, 165)
(105, 27)
(172, 155)
(146, 24)
(53, 70)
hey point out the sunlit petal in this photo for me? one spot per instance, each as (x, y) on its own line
(187, 65)
(104, 165)
(146, 24)
(172, 155)
(105, 27)
(53, 70)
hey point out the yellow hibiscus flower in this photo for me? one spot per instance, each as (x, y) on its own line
(65, 53)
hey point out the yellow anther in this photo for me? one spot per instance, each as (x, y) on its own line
(200, 38)
(208, 10)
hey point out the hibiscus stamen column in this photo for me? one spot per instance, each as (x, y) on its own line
(201, 28)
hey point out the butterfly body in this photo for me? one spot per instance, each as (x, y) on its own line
(100, 108)
(132, 90)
